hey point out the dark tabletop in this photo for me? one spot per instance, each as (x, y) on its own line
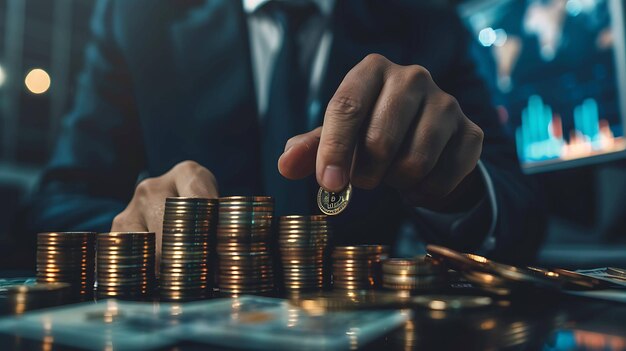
(533, 321)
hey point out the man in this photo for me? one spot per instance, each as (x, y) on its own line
(239, 87)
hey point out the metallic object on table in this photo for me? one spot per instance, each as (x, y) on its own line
(302, 241)
(188, 227)
(358, 267)
(67, 257)
(332, 203)
(490, 274)
(126, 265)
(342, 300)
(243, 245)
(451, 302)
(502, 279)
(371, 299)
(408, 274)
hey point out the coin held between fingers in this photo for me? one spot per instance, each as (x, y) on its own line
(333, 203)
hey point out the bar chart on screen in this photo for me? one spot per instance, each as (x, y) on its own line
(541, 138)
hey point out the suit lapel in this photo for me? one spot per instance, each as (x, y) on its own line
(213, 64)
(211, 47)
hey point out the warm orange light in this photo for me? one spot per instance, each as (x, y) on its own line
(37, 81)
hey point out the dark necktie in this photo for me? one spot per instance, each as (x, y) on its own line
(286, 112)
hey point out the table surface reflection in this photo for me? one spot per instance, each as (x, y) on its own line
(534, 322)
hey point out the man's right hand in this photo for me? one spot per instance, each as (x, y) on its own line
(144, 213)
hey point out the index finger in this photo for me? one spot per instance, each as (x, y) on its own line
(346, 111)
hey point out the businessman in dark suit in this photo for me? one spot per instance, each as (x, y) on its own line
(241, 88)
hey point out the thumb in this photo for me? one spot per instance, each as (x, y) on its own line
(298, 160)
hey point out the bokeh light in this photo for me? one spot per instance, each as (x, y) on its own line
(37, 81)
(487, 36)
(3, 76)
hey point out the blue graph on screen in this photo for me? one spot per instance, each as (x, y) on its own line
(540, 136)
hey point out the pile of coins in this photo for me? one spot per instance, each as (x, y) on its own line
(407, 274)
(243, 249)
(125, 265)
(358, 267)
(302, 241)
(188, 225)
(67, 257)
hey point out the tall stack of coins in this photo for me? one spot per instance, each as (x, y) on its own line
(358, 267)
(407, 274)
(302, 241)
(243, 249)
(125, 265)
(67, 258)
(188, 224)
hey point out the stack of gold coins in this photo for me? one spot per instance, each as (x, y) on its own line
(358, 267)
(67, 257)
(408, 274)
(188, 225)
(302, 241)
(125, 265)
(243, 245)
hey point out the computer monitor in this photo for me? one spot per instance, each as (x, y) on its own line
(557, 70)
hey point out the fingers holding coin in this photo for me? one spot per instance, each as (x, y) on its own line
(388, 124)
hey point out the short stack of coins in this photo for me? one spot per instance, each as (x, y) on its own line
(126, 265)
(67, 257)
(358, 267)
(243, 245)
(409, 274)
(302, 241)
(188, 225)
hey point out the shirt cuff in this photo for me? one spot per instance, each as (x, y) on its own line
(452, 221)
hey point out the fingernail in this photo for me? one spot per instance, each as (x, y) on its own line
(285, 152)
(287, 148)
(333, 178)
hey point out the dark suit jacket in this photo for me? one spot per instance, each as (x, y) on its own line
(166, 81)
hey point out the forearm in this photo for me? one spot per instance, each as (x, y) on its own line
(58, 211)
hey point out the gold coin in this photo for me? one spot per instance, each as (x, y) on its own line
(332, 203)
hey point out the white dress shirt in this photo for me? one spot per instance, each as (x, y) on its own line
(266, 39)
(314, 41)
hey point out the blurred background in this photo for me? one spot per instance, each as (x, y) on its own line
(557, 70)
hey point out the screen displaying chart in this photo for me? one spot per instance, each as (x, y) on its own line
(555, 72)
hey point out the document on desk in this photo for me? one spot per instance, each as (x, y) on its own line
(247, 322)
(607, 295)
(612, 275)
(106, 325)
